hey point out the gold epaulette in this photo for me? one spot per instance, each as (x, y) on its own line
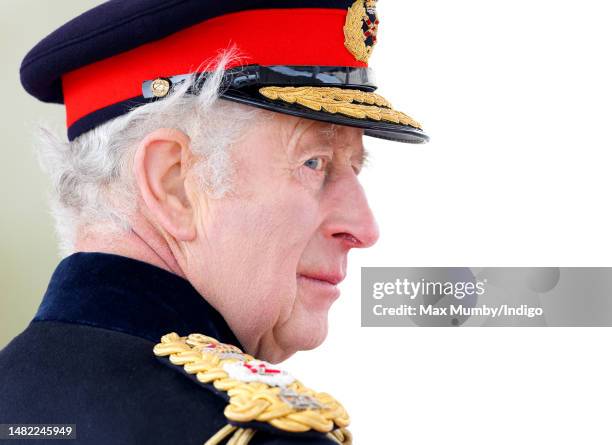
(257, 390)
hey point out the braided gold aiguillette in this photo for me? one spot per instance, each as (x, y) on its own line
(251, 401)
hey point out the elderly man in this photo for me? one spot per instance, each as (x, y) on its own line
(206, 202)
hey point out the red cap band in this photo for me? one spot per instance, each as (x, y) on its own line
(265, 37)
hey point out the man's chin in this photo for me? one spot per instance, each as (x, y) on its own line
(308, 338)
(295, 339)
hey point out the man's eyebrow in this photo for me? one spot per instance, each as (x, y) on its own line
(364, 159)
(318, 138)
(328, 134)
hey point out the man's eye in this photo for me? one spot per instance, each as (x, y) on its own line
(315, 163)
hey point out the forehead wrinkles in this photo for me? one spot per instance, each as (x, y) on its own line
(297, 131)
(329, 132)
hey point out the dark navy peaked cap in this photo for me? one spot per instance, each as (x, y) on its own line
(307, 58)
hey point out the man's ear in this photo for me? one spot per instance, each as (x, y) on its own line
(161, 164)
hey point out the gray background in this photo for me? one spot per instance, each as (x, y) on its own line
(28, 252)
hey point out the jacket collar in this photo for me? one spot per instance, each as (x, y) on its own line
(123, 294)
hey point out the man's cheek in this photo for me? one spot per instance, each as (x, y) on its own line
(295, 224)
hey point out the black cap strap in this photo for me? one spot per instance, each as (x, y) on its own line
(277, 75)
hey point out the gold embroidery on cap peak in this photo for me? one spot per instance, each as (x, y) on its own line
(361, 29)
(349, 102)
(258, 391)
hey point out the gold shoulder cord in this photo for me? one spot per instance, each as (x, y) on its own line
(258, 392)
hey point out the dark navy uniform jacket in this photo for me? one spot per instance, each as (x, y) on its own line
(87, 358)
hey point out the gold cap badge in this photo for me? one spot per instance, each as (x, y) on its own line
(361, 28)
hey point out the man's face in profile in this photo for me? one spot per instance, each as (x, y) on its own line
(270, 253)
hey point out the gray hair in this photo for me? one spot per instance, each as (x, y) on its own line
(91, 177)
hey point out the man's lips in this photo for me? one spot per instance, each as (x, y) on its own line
(322, 285)
(329, 278)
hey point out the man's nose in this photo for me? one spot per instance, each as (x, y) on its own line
(350, 218)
